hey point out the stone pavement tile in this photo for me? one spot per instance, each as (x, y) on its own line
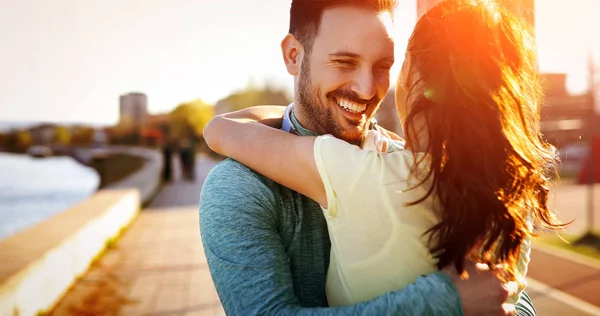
(94, 295)
(147, 238)
(140, 307)
(215, 310)
(111, 259)
(176, 278)
(132, 260)
(546, 305)
(171, 300)
(219, 311)
(204, 310)
(181, 255)
(142, 293)
(587, 289)
(576, 279)
(200, 311)
(199, 257)
(152, 261)
(145, 286)
(570, 202)
(202, 292)
(71, 301)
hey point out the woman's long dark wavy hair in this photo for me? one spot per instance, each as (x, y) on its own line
(480, 104)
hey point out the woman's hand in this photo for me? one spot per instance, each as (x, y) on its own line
(387, 133)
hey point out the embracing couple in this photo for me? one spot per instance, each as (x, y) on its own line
(349, 219)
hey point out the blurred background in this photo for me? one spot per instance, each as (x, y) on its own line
(98, 97)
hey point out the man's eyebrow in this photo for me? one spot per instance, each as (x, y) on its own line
(344, 54)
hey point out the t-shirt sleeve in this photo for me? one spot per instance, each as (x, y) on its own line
(340, 165)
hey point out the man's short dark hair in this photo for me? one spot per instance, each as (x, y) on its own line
(305, 15)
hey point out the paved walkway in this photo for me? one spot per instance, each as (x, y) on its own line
(158, 268)
(571, 202)
(559, 279)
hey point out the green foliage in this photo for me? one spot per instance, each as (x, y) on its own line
(61, 136)
(17, 141)
(23, 139)
(83, 135)
(253, 96)
(3, 140)
(190, 118)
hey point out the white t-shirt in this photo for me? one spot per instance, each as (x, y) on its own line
(377, 242)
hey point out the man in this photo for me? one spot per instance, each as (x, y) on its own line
(268, 247)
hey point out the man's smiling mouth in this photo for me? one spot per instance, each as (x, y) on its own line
(351, 106)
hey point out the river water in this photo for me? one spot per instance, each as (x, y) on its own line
(33, 189)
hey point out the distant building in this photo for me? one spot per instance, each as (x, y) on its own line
(157, 129)
(133, 109)
(157, 120)
(42, 134)
(100, 137)
(565, 118)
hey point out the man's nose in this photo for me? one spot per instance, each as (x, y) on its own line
(364, 85)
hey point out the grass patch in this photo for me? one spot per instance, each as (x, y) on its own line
(112, 241)
(567, 178)
(588, 245)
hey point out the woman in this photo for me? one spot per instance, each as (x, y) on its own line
(472, 182)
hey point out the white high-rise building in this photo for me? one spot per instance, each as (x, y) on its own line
(133, 109)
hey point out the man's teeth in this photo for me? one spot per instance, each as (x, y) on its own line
(352, 107)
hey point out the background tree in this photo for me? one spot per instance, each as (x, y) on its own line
(190, 118)
(17, 141)
(250, 96)
(83, 136)
(61, 136)
(3, 140)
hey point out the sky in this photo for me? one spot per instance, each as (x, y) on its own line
(69, 60)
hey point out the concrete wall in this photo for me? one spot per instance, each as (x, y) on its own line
(147, 179)
(39, 264)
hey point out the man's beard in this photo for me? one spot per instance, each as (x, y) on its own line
(320, 115)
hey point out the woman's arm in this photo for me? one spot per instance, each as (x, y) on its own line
(285, 158)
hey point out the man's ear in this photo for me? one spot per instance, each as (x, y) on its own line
(292, 54)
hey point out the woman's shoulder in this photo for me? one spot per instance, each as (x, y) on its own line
(369, 147)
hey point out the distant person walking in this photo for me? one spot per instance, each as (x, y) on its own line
(167, 152)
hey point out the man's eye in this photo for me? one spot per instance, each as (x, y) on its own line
(383, 68)
(346, 63)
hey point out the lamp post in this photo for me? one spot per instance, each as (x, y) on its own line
(591, 133)
(588, 238)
